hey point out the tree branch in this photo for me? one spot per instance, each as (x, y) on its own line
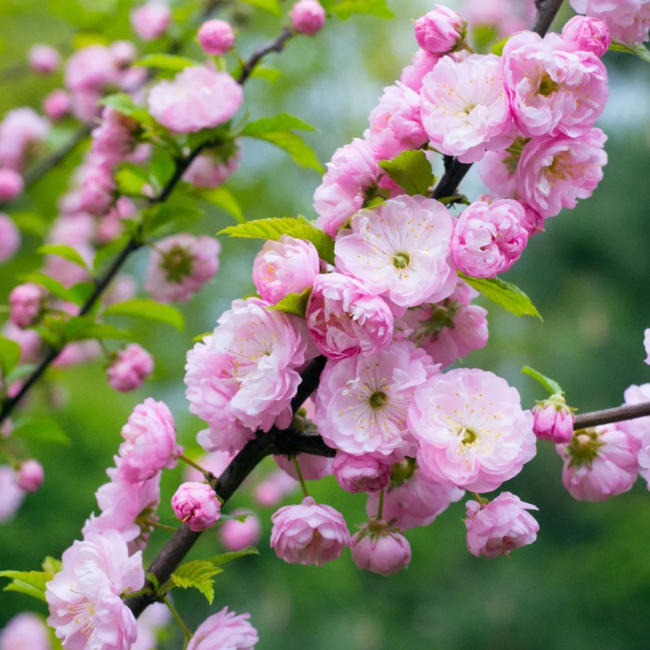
(609, 416)
(276, 45)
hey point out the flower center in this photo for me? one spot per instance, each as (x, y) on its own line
(547, 86)
(177, 264)
(583, 448)
(378, 399)
(401, 260)
(469, 436)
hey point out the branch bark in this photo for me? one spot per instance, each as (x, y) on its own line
(609, 416)
(276, 45)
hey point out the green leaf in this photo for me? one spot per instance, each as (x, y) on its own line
(268, 74)
(42, 428)
(66, 252)
(272, 6)
(54, 287)
(410, 170)
(199, 337)
(457, 198)
(222, 198)
(224, 558)
(31, 223)
(177, 208)
(169, 62)
(9, 356)
(281, 122)
(131, 179)
(349, 8)
(272, 229)
(301, 153)
(31, 583)
(294, 303)
(150, 309)
(550, 384)
(82, 328)
(198, 574)
(51, 565)
(497, 48)
(503, 293)
(124, 104)
(640, 50)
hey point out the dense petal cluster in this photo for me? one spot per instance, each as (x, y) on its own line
(380, 549)
(216, 37)
(554, 420)
(196, 504)
(130, 367)
(363, 473)
(224, 631)
(628, 20)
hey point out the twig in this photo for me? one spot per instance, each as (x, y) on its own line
(276, 45)
(608, 416)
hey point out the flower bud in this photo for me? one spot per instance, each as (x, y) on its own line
(151, 20)
(30, 476)
(44, 59)
(554, 420)
(25, 304)
(381, 549)
(9, 237)
(196, 504)
(236, 535)
(123, 53)
(360, 473)
(441, 31)
(11, 185)
(216, 37)
(588, 34)
(130, 368)
(57, 105)
(307, 17)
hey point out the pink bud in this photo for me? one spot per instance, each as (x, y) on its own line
(441, 31)
(197, 505)
(360, 473)
(151, 20)
(384, 551)
(236, 535)
(307, 17)
(130, 368)
(25, 303)
(216, 37)
(30, 476)
(123, 53)
(44, 59)
(553, 420)
(11, 185)
(57, 105)
(9, 237)
(588, 34)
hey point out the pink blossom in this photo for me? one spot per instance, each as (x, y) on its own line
(500, 526)
(503, 17)
(475, 117)
(76, 353)
(489, 237)
(85, 106)
(150, 622)
(274, 488)
(363, 473)
(312, 468)
(10, 238)
(215, 462)
(180, 265)
(91, 69)
(151, 20)
(552, 90)
(224, 631)
(11, 496)
(400, 250)
(440, 31)
(111, 226)
(345, 319)
(30, 342)
(384, 551)
(628, 20)
(553, 173)
(285, 266)
(307, 17)
(351, 175)
(130, 367)
(587, 34)
(86, 610)
(309, 533)
(197, 98)
(236, 535)
(472, 430)
(124, 53)
(395, 123)
(497, 171)
(11, 185)
(244, 376)
(637, 429)
(216, 37)
(599, 463)
(150, 442)
(25, 304)
(423, 63)
(196, 504)
(413, 501)
(208, 171)
(646, 345)
(25, 632)
(362, 402)
(30, 476)
(57, 105)
(44, 59)
(553, 420)
(22, 132)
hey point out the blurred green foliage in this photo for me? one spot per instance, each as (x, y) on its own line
(586, 583)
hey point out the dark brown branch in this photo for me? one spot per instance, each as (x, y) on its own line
(276, 45)
(608, 416)
(546, 12)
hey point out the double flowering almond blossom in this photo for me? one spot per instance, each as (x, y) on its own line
(25, 631)
(380, 549)
(627, 20)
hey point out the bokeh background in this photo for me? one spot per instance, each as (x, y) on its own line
(586, 583)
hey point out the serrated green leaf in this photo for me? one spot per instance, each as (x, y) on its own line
(550, 384)
(131, 179)
(66, 252)
(294, 303)
(268, 74)
(301, 153)
(272, 6)
(54, 287)
(503, 293)
(224, 558)
(150, 309)
(348, 8)
(278, 123)
(169, 62)
(639, 50)
(40, 427)
(197, 574)
(9, 356)
(273, 229)
(124, 104)
(30, 583)
(222, 198)
(410, 170)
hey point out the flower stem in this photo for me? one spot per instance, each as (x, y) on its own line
(303, 485)
(179, 620)
(190, 462)
(380, 507)
(155, 524)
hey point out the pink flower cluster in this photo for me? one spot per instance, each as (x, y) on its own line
(628, 21)
(22, 132)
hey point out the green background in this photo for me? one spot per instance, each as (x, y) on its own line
(586, 582)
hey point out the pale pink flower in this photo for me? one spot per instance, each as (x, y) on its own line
(472, 430)
(216, 37)
(395, 123)
(553, 173)
(600, 463)
(587, 34)
(465, 107)
(351, 175)
(489, 237)
(307, 17)
(646, 345)
(215, 462)
(30, 342)
(11, 185)
(150, 442)
(180, 265)
(274, 488)
(637, 429)
(111, 226)
(10, 238)
(74, 354)
(401, 250)
(43, 59)
(124, 53)
(312, 468)
(86, 610)
(207, 171)
(440, 31)
(224, 631)
(197, 98)
(309, 533)
(503, 17)
(25, 304)
(362, 402)
(85, 104)
(90, 70)
(130, 367)
(553, 91)
(554, 420)
(497, 171)
(11, 496)
(285, 266)
(57, 105)
(30, 476)
(236, 535)
(628, 20)
(196, 504)
(384, 551)
(363, 473)
(413, 501)
(25, 632)
(150, 622)
(423, 63)
(500, 526)
(22, 132)
(244, 376)
(345, 319)
(150, 21)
